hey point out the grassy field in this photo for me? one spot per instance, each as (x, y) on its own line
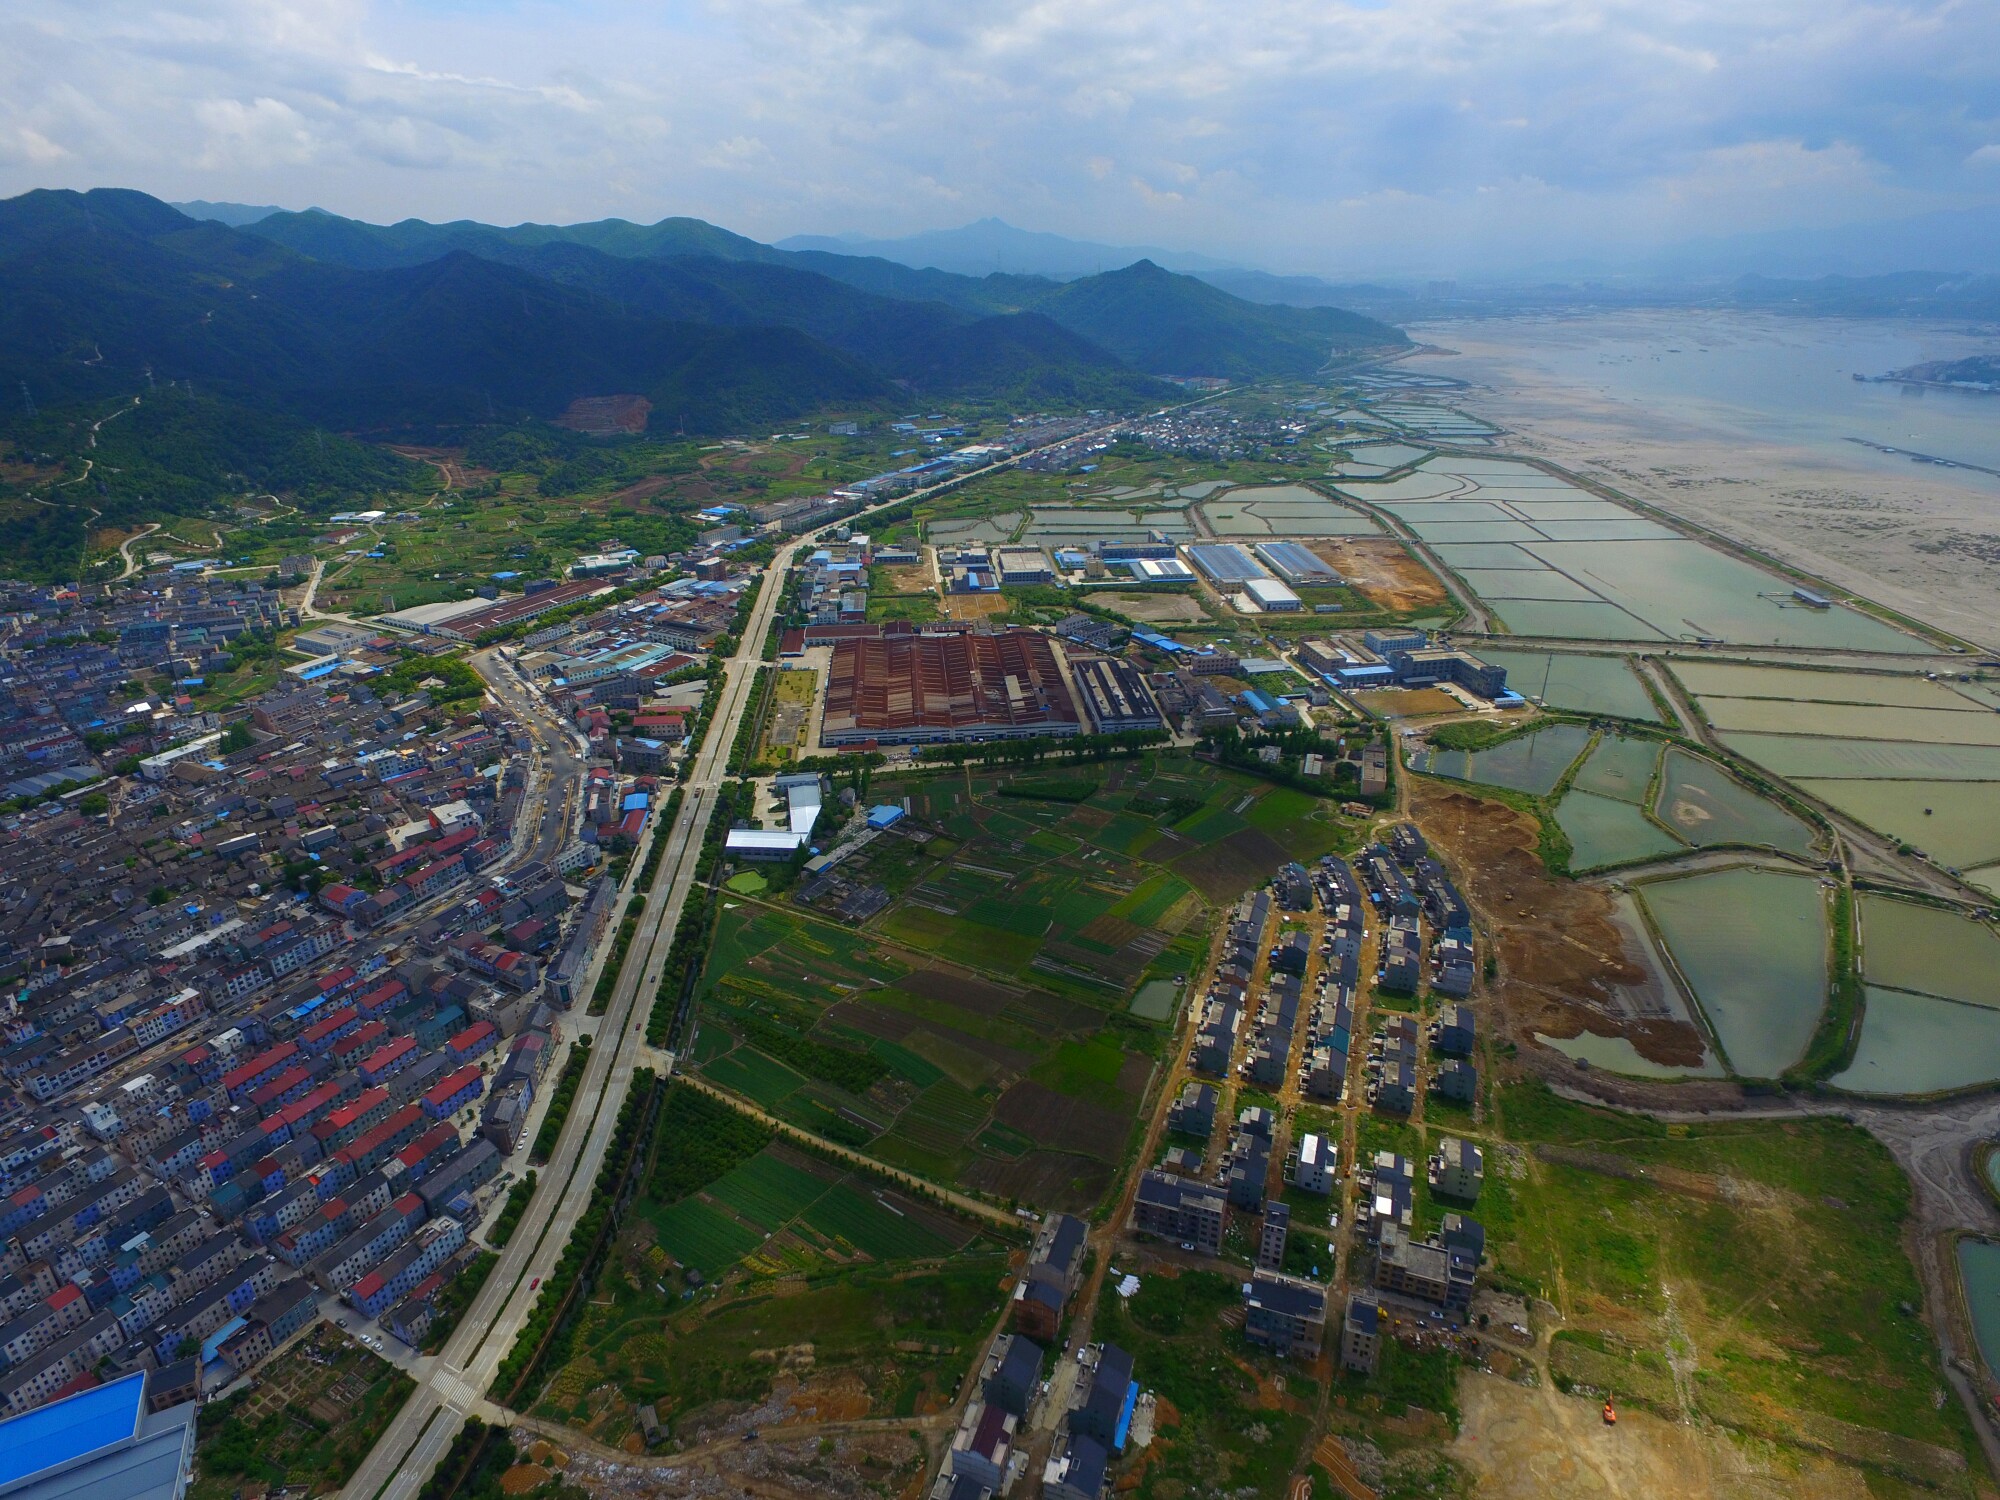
(824, 1282)
(979, 1029)
(306, 1426)
(880, 1341)
(1768, 1257)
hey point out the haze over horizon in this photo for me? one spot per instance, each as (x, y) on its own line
(1429, 137)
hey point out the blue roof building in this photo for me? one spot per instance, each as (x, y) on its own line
(99, 1444)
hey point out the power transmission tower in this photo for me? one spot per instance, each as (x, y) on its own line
(29, 399)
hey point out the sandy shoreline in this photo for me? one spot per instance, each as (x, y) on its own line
(1926, 543)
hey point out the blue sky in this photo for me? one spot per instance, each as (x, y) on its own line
(1303, 135)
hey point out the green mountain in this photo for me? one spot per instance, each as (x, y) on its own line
(374, 330)
(412, 242)
(1149, 319)
(1169, 324)
(100, 288)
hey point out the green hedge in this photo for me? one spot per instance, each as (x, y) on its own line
(607, 977)
(567, 1083)
(541, 1337)
(509, 1217)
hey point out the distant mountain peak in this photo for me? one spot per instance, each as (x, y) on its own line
(992, 244)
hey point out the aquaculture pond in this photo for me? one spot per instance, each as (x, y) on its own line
(1720, 679)
(1606, 831)
(1979, 1270)
(1752, 945)
(1619, 767)
(1793, 755)
(1919, 1044)
(1684, 589)
(1955, 822)
(1855, 721)
(1582, 684)
(1911, 947)
(1532, 763)
(1705, 805)
(1559, 620)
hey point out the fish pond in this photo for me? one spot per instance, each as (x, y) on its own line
(1957, 823)
(1752, 945)
(1908, 946)
(1979, 1271)
(1531, 763)
(1616, 1054)
(1919, 1044)
(1706, 806)
(1581, 684)
(1605, 831)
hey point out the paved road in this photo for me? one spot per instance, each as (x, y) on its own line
(460, 1377)
(125, 548)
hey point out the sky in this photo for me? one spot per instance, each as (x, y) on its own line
(1297, 135)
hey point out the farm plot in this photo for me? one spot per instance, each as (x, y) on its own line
(983, 1027)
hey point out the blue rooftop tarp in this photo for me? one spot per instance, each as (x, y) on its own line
(1125, 1416)
(66, 1430)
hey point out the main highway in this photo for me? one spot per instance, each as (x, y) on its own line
(405, 1455)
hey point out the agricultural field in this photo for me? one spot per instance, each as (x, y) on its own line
(750, 1272)
(997, 1022)
(310, 1420)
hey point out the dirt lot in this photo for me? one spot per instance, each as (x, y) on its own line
(974, 606)
(1384, 572)
(1409, 703)
(911, 580)
(606, 416)
(1565, 964)
(1540, 1445)
(1155, 609)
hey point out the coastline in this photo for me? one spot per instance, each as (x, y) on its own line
(1924, 541)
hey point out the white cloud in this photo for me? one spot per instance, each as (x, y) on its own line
(1305, 134)
(27, 146)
